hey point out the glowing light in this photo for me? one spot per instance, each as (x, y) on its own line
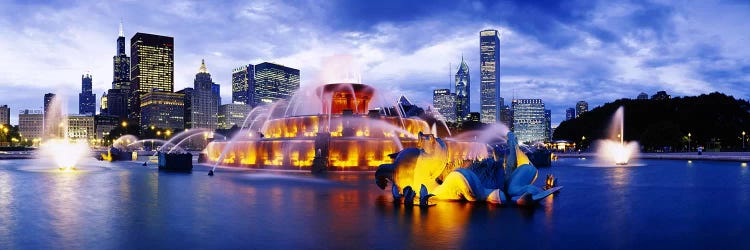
(744, 164)
(65, 154)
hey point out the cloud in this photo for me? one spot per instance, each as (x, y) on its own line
(560, 52)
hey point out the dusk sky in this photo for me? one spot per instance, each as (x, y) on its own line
(559, 52)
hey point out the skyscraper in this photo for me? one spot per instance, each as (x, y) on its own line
(52, 116)
(489, 88)
(121, 64)
(103, 104)
(581, 108)
(205, 107)
(506, 116)
(529, 123)
(86, 99)
(243, 82)
(152, 62)
(117, 103)
(445, 103)
(273, 82)
(463, 90)
(152, 68)
(570, 114)
(4, 115)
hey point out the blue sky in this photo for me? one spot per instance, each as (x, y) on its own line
(559, 51)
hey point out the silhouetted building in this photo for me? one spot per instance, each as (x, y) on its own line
(581, 108)
(204, 105)
(162, 109)
(529, 122)
(188, 107)
(273, 82)
(48, 101)
(86, 99)
(506, 116)
(661, 96)
(642, 96)
(570, 114)
(233, 114)
(4, 115)
(474, 117)
(117, 103)
(445, 103)
(489, 88)
(243, 82)
(121, 65)
(104, 124)
(53, 116)
(463, 91)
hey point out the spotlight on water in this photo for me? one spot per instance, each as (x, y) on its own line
(615, 149)
(65, 154)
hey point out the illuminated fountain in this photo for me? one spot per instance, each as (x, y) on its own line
(344, 134)
(57, 145)
(615, 149)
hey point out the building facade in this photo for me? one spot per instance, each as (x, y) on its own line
(581, 108)
(445, 104)
(243, 82)
(570, 114)
(4, 115)
(529, 123)
(548, 125)
(642, 96)
(81, 127)
(233, 114)
(121, 65)
(489, 87)
(273, 82)
(506, 116)
(204, 105)
(151, 69)
(463, 91)
(53, 116)
(31, 124)
(163, 110)
(86, 99)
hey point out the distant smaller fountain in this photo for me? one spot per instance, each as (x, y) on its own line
(615, 149)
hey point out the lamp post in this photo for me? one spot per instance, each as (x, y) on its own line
(689, 137)
(743, 140)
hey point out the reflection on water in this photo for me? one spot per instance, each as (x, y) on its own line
(127, 206)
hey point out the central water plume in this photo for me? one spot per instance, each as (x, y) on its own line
(614, 149)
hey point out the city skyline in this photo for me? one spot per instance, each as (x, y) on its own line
(562, 55)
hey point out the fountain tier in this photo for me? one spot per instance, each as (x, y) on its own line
(345, 135)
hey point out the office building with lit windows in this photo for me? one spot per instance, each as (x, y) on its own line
(233, 114)
(489, 69)
(273, 82)
(581, 108)
(151, 69)
(529, 122)
(31, 124)
(163, 110)
(445, 103)
(463, 91)
(570, 114)
(243, 82)
(4, 115)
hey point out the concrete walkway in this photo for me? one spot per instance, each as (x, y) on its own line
(713, 156)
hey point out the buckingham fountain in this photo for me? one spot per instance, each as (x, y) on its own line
(348, 135)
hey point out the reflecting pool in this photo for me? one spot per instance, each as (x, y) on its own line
(102, 205)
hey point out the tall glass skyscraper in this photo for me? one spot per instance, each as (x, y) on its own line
(463, 90)
(273, 82)
(581, 108)
(489, 88)
(205, 108)
(445, 103)
(151, 69)
(529, 120)
(243, 82)
(121, 65)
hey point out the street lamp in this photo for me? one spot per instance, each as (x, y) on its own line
(743, 140)
(689, 135)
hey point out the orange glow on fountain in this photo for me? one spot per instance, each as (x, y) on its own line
(345, 135)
